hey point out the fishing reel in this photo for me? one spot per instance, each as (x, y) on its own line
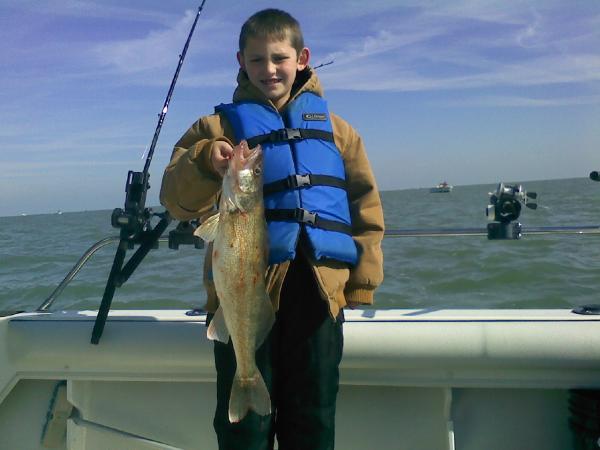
(135, 217)
(505, 208)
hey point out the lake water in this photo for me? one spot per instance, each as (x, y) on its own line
(550, 271)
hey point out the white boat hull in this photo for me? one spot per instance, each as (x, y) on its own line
(430, 380)
(437, 190)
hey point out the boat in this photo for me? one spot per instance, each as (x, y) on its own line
(441, 187)
(420, 379)
(410, 379)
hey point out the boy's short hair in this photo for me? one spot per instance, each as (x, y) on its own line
(272, 24)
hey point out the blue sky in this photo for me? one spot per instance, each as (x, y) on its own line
(464, 91)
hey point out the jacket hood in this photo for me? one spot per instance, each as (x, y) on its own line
(306, 81)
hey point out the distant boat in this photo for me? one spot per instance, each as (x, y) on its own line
(442, 187)
(59, 212)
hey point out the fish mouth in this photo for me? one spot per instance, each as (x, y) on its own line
(245, 157)
(245, 171)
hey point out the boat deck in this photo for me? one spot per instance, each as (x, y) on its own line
(411, 379)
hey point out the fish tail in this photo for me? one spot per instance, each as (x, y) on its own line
(248, 394)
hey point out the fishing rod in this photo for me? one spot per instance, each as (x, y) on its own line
(134, 219)
(323, 64)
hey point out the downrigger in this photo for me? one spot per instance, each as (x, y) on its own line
(504, 209)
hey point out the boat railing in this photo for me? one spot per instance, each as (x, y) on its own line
(525, 231)
(77, 267)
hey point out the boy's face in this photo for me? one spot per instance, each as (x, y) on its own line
(271, 66)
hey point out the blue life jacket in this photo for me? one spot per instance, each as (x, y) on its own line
(304, 176)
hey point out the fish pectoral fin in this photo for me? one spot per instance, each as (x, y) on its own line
(208, 229)
(266, 320)
(217, 330)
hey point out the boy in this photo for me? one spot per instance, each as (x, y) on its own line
(325, 225)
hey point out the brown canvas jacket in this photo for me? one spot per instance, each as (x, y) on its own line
(190, 187)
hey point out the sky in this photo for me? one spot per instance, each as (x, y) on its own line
(471, 92)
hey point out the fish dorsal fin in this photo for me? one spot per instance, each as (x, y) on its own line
(208, 229)
(217, 330)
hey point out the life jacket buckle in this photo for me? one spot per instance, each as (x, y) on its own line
(301, 180)
(287, 134)
(304, 216)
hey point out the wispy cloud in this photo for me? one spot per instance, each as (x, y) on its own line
(73, 144)
(150, 52)
(523, 101)
(92, 9)
(462, 47)
(159, 49)
(24, 169)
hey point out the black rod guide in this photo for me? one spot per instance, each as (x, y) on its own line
(134, 219)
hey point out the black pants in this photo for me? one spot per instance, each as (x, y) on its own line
(299, 362)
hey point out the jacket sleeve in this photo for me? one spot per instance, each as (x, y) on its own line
(366, 213)
(190, 184)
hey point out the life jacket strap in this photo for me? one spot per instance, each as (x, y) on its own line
(309, 218)
(290, 134)
(300, 181)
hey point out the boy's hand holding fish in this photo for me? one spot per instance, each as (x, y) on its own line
(221, 153)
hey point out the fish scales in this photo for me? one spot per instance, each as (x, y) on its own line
(241, 284)
(239, 262)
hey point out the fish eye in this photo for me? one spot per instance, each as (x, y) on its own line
(257, 171)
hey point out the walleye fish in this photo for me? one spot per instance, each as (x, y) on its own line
(239, 261)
